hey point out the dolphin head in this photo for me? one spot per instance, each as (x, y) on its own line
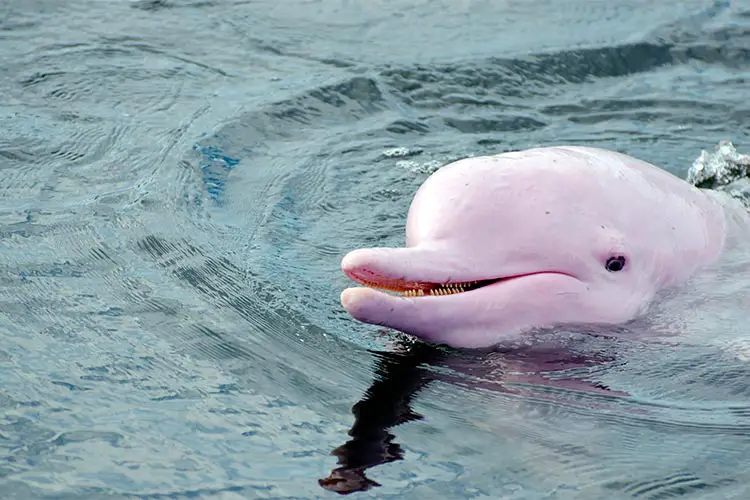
(499, 245)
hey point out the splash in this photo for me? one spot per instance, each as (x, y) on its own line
(725, 169)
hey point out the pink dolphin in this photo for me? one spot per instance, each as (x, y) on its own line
(500, 245)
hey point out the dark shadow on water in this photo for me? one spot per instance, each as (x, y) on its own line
(401, 375)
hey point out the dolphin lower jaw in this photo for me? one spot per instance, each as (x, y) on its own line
(475, 318)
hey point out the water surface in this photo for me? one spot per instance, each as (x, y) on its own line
(181, 178)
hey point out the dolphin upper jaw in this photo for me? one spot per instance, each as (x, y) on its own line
(400, 269)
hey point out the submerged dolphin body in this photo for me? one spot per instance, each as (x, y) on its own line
(499, 245)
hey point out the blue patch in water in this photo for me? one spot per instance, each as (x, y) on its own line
(215, 167)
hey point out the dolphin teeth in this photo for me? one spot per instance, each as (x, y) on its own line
(429, 289)
(442, 290)
(448, 289)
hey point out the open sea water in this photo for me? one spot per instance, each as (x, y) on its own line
(180, 179)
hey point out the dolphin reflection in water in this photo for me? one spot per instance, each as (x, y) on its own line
(401, 375)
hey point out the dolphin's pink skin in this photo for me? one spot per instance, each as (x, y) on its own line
(546, 221)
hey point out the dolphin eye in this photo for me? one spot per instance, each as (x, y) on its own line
(615, 264)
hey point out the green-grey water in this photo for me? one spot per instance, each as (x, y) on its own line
(180, 179)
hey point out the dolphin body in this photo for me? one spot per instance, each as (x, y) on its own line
(500, 245)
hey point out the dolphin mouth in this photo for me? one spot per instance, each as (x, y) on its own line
(423, 288)
(406, 288)
(414, 272)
